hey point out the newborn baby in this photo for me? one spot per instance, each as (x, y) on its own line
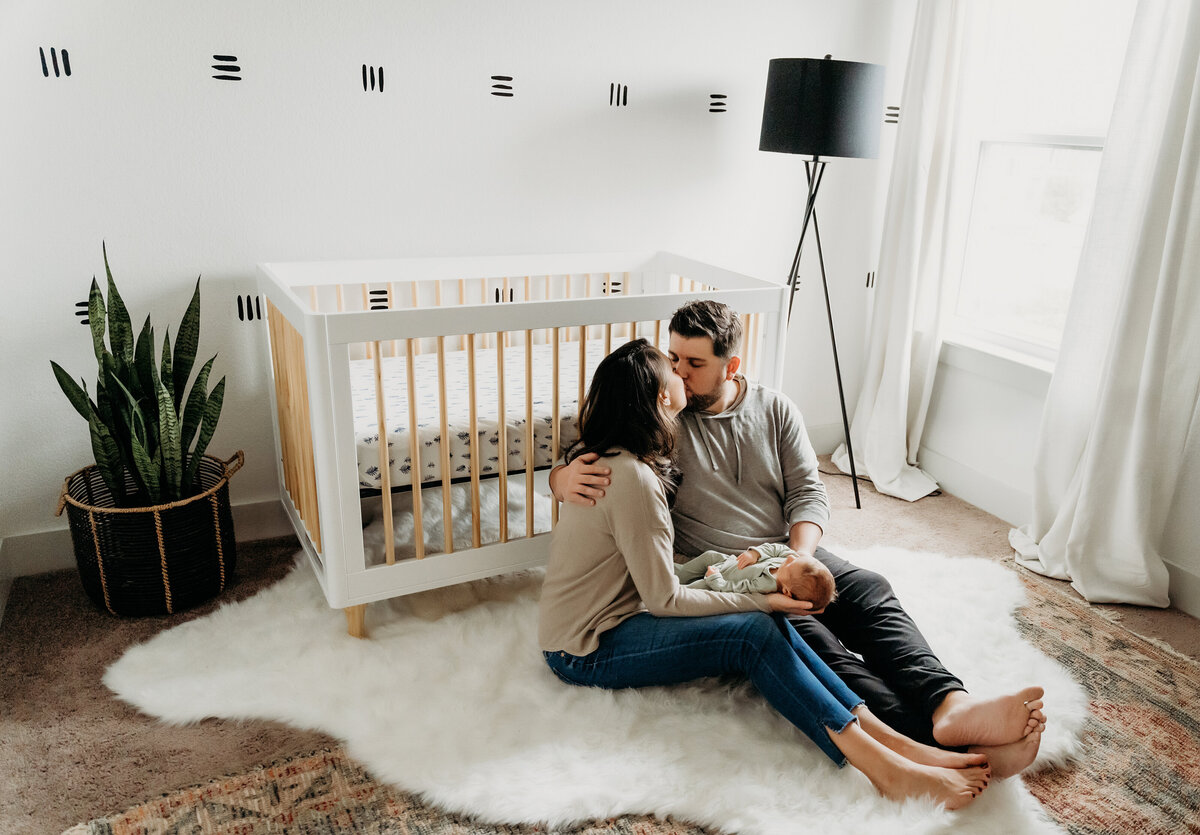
(765, 568)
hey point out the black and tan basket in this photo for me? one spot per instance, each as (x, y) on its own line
(153, 560)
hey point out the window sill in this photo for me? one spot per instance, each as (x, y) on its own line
(1003, 365)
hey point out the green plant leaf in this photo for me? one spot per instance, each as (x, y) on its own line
(120, 331)
(186, 342)
(165, 376)
(96, 317)
(168, 444)
(143, 358)
(193, 412)
(108, 459)
(212, 413)
(146, 472)
(74, 392)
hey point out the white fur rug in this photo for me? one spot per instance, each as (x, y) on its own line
(450, 699)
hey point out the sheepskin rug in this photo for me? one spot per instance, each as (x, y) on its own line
(450, 699)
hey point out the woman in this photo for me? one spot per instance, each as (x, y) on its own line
(613, 614)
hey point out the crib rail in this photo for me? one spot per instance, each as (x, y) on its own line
(401, 327)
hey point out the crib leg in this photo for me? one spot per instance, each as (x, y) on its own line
(356, 620)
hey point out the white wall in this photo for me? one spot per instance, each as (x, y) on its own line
(182, 174)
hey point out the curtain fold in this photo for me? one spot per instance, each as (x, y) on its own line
(920, 239)
(1120, 422)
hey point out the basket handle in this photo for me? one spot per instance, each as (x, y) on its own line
(230, 467)
(62, 497)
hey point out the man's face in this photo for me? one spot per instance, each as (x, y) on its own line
(703, 373)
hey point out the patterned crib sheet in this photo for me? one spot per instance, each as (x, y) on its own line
(429, 431)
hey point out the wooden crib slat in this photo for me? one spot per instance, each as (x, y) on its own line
(473, 441)
(658, 333)
(394, 347)
(556, 427)
(582, 365)
(312, 298)
(385, 464)
(502, 462)
(444, 450)
(416, 302)
(608, 327)
(547, 296)
(744, 348)
(503, 298)
(530, 449)
(462, 300)
(414, 453)
(295, 422)
(366, 299)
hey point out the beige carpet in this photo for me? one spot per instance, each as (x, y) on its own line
(69, 752)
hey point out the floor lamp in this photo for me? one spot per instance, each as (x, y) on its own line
(823, 108)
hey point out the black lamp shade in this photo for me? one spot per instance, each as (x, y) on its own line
(822, 107)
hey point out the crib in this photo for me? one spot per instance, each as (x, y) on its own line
(421, 402)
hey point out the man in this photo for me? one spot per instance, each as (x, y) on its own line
(750, 476)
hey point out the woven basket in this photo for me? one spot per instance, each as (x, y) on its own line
(153, 560)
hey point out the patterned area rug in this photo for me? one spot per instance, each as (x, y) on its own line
(1140, 771)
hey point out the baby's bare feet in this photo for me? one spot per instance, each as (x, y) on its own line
(1010, 759)
(963, 719)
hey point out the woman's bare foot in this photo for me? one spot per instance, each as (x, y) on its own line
(909, 748)
(1010, 759)
(963, 719)
(953, 788)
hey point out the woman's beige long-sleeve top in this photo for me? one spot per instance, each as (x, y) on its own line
(613, 560)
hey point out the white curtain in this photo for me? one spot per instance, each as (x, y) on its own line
(921, 240)
(1122, 417)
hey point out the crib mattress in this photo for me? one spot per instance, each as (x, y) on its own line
(429, 430)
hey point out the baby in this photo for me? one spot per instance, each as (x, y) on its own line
(769, 567)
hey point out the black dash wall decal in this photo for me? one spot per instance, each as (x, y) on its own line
(54, 53)
(870, 279)
(891, 116)
(81, 310)
(368, 73)
(249, 308)
(716, 102)
(379, 299)
(618, 95)
(502, 86)
(227, 68)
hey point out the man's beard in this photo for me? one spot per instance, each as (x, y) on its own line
(699, 402)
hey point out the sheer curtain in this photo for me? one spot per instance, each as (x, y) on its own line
(920, 242)
(1122, 417)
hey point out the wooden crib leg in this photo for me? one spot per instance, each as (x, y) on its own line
(356, 620)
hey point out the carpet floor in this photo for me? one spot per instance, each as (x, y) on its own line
(70, 752)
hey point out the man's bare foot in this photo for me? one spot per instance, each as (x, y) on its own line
(953, 788)
(1010, 759)
(963, 719)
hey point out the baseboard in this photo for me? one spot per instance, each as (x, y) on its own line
(986, 493)
(37, 553)
(1185, 589)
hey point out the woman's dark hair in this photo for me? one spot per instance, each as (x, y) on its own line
(621, 409)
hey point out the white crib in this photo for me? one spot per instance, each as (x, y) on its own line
(450, 360)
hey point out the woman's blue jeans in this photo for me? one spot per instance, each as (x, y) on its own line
(646, 651)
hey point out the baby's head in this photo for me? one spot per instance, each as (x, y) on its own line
(806, 578)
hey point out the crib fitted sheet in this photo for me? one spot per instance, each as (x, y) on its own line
(429, 430)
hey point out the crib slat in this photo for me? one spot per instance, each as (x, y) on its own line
(416, 302)
(503, 298)
(744, 348)
(582, 365)
(547, 296)
(391, 299)
(502, 463)
(385, 464)
(530, 449)
(462, 300)
(658, 333)
(444, 450)
(473, 440)
(312, 298)
(608, 327)
(556, 426)
(414, 453)
(366, 297)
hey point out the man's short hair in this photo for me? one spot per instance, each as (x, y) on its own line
(715, 320)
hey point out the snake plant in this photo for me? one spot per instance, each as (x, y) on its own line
(144, 421)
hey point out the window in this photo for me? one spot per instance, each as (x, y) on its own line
(1039, 81)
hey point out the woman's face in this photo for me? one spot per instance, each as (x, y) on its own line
(675, 395)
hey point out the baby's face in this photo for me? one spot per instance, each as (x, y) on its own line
(806, 578)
